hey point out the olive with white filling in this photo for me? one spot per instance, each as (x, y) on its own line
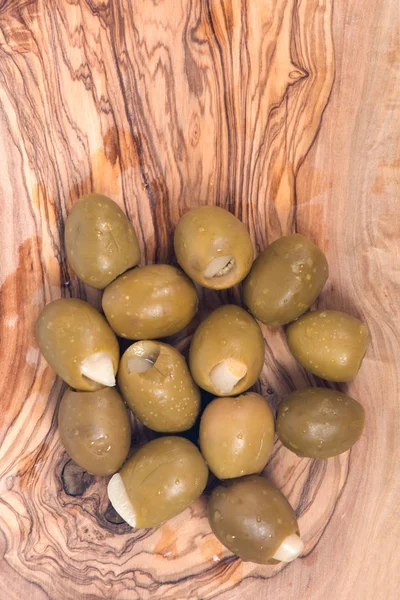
(213, 247)
(227, 351)
(78, 343)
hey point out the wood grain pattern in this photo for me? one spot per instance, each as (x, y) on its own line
(166, 104)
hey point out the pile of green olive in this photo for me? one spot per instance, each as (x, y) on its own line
(153, 380)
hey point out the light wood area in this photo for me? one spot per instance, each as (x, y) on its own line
(287, 112)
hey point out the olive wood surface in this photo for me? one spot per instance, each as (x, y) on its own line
(163, 105)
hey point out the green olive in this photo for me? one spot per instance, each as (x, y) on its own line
(213, 247)
(237, 435)
(150, 302)
(158, 482)
(100, 241)
(95, 429)
(285, 280)
(156, 383)
(78, 343)
(255, 521)
(227, 351)
(319, 422)
(329, 343)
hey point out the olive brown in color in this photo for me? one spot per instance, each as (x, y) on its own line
(100, 241)
(285, 280)
(78, 343)
(319, 422)
(329, 343)
(150, 302)
(95, 429)
(158, 482)
(227, 351)
(255, 521)
(213, 247)
(237, 435)
(155, 381)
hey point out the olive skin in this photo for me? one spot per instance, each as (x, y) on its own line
(285, 280)
(150, 302)
(163, 478)
(251, 518)
(329, 343)
(319, 422)
(99, 240)
(209, 232)
(237, 435)
(67, 332)
(229, 332)
(165, 398)
(95, 429)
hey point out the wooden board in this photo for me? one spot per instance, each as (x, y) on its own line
(163, 105)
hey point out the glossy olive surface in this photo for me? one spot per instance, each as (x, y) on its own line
(68, 331)
(150, 302)
(229, 332)
(319, 422)
(163, 478)
(329, 343)
(95, 429)
(99, 240)
(237, 435)
(251, 518)
(156, 383)
(206, 233)
(285, 280)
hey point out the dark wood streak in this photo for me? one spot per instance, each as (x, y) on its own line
(164, 105)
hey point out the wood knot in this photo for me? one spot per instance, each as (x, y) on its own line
(75, 480)
(194, 130)
(297, 74)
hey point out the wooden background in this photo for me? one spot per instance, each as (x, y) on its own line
(164, 104)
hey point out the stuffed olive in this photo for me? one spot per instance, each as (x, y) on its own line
(95, 429)
(329, 343)
(78, 343)
(227, 351)
(158, 482)
(155, 381)
(255, 521)
(213, 247)
(150, 302)
(285, 280)
(319, 422)
(100, 241)
(237, 435)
